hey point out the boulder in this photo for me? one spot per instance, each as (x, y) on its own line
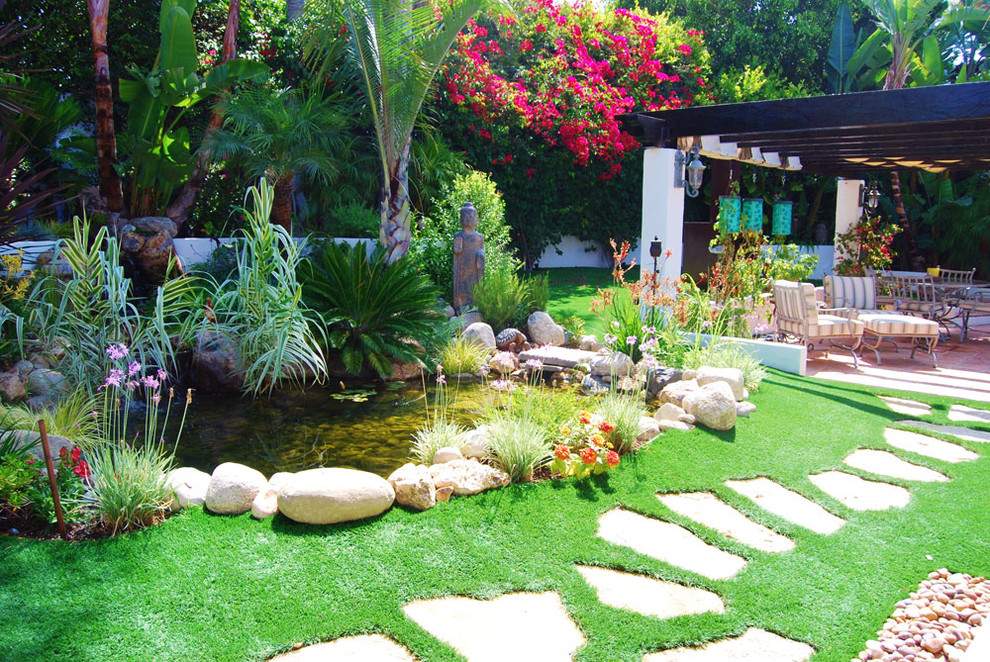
(147, 242)
(594, 385)
(713, 405)
(43, 381)
(328, 496)
(503, 363)
(24, 367)
(648, 429)
(217, 363)
(542, 330)
(413, 487)
(404, 372)
(511, 340)
(449, 311)
(731, 376)
(675, 425)
(612, 364)
(467, 319)
(233, 488)
(658, 378)
(744, 409)
(669, 412)
(32, 439)
(589, 343)
(675, 392)
(265, 505)
(688, 374)
(468, 476)
(447, 454)
(12, 385)
(189, 486)
(480, 333)
(474, 442)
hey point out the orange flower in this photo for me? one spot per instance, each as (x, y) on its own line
(585, 417)
(612, 459)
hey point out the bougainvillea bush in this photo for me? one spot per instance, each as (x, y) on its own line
(534, 99)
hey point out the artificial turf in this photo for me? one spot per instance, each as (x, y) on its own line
(231, 588)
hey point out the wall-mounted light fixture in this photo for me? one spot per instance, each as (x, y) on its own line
(869, 197)
(695, 170)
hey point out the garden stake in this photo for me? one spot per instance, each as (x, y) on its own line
(51, 478)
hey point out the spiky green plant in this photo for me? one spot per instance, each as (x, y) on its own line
(127, 483)
(519, 446)
(726, 355)
(435, 434)
(372, 311)
(71, 416)
(458, 355)
(624, 412)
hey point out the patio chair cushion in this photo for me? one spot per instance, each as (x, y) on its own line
(893, 325)
(851, 292)
(833, 326)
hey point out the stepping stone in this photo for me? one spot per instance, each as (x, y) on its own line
(789, 505)
(922, 444)
(563, 357)
(364, 648)
(860, 494)
(968, 414)
(668, 542)
(521, 626)
(648, 596)
(708, 509)
(888, 464)
(966, 434)
(907, 407)
(754, 645)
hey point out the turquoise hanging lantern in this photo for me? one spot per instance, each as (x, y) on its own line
(729, 213)
(782, 210)
(752, 215)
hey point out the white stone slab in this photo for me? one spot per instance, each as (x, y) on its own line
(907, 407)
(708, 509)
(516, 626)
(966, 434)
(363, 648)
(922, 444)
(564, 357)
(888, 464)
(668, 542)
(966, 414)
(649, 596)
(860, 494)
(979, 648)
(787, 504)
(754, 645)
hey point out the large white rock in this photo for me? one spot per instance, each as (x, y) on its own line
(328, 496)
(669, 412)
(233, 488)
(731, 376)
(278, 480)
(467, 476)
(474, 442)
(713, 405)
(613, 364)
(265, 505)
(414, 487)
(447, 454)
(674, 393)
(480, 333)
(648, 428)
(542, 330)
(188, 485)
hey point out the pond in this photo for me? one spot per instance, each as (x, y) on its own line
(365, 428)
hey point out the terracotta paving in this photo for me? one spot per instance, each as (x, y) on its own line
(963, 368)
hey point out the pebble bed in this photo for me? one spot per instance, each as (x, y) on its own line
(936, 622)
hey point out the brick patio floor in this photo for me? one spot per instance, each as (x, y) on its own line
(963, 368)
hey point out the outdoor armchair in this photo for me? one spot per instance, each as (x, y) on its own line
(798, 317)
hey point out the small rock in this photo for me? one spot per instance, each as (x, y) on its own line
(189, 486)
(674, 393)
(447, 454)
(675, 425)
(594, 385)
(467, 319)
(24, 367)
(612, 364)
(474, 442)
(731, 376)
(687, 418)
(444, 493)
(744, 409)
(413, 487)
(43, 381)
(689, 374)
(503, 363)
(589, 343)
(233, 487)
(12, 385)
(449, 311)
(480, 333)
(648, 429)
(542, 330)
(669, 412)
(658, 378)
(468, 476)
(713, 405)
(265, 505)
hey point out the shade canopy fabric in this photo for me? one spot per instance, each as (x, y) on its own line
(936, 128)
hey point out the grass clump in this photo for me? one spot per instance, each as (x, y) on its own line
(504, 299)
(435, 434)
(624, 412)
(462, 356)
(519, 446)
(127, 483)
(726, 355)
(70, 417)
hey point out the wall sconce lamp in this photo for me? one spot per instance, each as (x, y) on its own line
(869, 197)
(695, 170)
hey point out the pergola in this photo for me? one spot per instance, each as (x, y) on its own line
(936, 128)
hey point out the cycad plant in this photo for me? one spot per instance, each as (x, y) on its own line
(276, 132)
(372, 311)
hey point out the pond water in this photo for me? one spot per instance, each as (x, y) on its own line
(296, 430)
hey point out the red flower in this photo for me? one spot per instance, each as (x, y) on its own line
(612, 459)
(606, 427)
(526, 46)
(562, 452)
(589, 455)
(82, 469)
(76, 453)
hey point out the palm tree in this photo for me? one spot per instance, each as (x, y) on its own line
(106, 137)
(275, 132)
(397, 47)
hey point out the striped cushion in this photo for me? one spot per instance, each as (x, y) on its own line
(892, 324)
(851, 292)
(831, 326)
(795, 301)
(925, 307)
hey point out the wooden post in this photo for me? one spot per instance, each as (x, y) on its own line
(51, 479)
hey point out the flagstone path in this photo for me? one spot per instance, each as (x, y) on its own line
(860, 494)
(649, 596)
(754, 645)
(709, 510)
(907, 407)
(922, 444)
(966, 434)
(787, 504)
(887, 464)
(364, 648)
(962, 413)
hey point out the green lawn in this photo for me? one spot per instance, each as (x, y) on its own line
(230, 588)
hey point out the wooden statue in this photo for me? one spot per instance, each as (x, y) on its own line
(469, 257)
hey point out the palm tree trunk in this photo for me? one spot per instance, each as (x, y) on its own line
(178, 211)
(395, 231)
(896, 78)
(282, 202)
(106, 137)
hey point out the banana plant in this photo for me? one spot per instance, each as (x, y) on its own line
(159, 150)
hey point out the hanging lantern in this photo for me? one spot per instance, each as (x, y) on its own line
(752, 215)
(782, 210)
(729, 213)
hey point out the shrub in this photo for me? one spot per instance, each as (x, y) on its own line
(504, 299)
(432, 436)
(432, 248)
(127, 483)
(70, 416)
(372, 311)
(355, 220)
(624, 413)
(518, 445)
(460, 356)
(726, 355)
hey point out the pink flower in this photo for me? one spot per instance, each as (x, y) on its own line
(114, 378)
(133, 368)
(117, 351)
